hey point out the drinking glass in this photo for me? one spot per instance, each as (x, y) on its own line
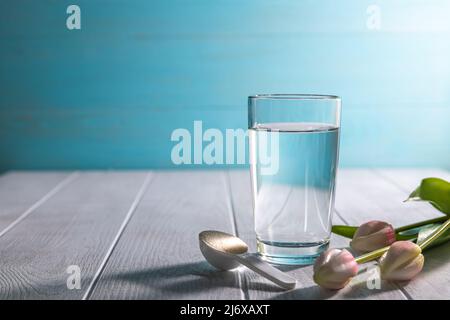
(294, 145)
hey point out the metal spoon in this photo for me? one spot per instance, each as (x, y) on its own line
(225, 251)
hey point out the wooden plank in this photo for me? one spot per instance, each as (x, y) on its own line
(258, 288)
(434, 281)
(408, 179)
(75, 227)
(158, 255)
(364, 195)
(23, 192)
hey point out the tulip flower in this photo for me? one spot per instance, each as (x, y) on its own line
(373, 235)
(334, 268)
(403, 261)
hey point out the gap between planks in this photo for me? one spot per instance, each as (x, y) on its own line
(66, 181)
(116, 239)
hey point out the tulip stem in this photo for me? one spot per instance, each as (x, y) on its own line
(420, 224)
(436, 234)
(371, 255)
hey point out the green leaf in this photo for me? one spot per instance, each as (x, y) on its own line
(402, 237)
(349, 231)
(345, 231)
(425, 232)
(442, 239)
(434, 190)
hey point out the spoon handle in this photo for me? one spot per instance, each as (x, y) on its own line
(266, 270)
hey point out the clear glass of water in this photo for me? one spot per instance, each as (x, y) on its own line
(294, 147)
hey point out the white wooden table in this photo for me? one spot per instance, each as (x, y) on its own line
(133, 234)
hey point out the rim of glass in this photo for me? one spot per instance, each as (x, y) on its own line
(295, 96)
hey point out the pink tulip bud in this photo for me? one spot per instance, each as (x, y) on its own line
(373, 235)
(334, 268)
(403, 261)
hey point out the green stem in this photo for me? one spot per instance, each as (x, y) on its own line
(371, 255)
(436, 234)
(421, 223)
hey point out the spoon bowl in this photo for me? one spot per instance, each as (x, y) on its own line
(216, 247)
(225, 252)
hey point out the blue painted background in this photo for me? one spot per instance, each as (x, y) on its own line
(109, 95)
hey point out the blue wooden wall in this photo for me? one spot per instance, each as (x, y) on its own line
(110, 95)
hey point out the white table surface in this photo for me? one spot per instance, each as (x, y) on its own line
(134, 234)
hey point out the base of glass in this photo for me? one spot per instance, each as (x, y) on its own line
(291, 253)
